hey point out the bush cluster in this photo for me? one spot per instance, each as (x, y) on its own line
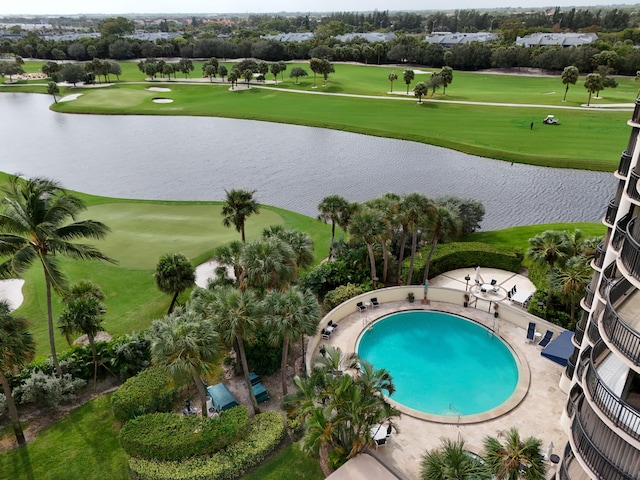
(148, 392)
(264, 357)
(48, 390)
(167, 436)
(451, 256)
(341, 294)
(263, 435)
(3, 403)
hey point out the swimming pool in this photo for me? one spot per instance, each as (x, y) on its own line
(441, 364)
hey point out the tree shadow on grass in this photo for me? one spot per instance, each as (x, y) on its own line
(22, 463)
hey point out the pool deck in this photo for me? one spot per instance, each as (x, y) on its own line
(538, 414)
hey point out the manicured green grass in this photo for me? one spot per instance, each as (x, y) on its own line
(289, 464)
(141, 232)
(84, 444)
(518, 237)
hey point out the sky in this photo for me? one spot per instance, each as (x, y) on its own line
(111, 7)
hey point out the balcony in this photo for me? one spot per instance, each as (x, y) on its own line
(623, 416)
(569, 468)
(580, 326)
(612, 211)
(593, 333)
(636, 114)
(593, 456)
(625, 163)
(620, 232)
(588, 298)
(571, 364)
(607, 279)
(598, 260)
(632, 185)
(630, 254)
(619, 334)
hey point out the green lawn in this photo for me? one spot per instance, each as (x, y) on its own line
(288, 464)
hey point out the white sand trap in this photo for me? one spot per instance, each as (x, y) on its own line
(158, 89)
(100, 337)
(70, 98)
(207, 270)
(11, 291)
(162, 100)
(421, 72)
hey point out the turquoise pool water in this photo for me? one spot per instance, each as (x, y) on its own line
(441, 364)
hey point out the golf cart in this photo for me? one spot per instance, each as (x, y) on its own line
(550, 120)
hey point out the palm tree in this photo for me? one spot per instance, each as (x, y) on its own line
(388, 206)
(392, 78)
(52, 89)
(268, 264)
(415, 208)
(235, 315)
(39, 222)
(229, 255)
(17, 349)
(408, 76)
(300, 243)
(516, 458)
(548, 248)
(331, 210)
(290, 315)
(83, 313)
(571, 280)
(570, 76)
(187, 345)
(174, 274)
(443, 224)
(368, 225)
(420, 90)
(452, 462)
(593, 84)
(238, 206)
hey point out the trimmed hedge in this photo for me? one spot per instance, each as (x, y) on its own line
(451, 256)
(149, 391)
(168, 436)
(342, 294)
(263, 435)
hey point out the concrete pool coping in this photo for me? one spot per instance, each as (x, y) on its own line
(516, 397)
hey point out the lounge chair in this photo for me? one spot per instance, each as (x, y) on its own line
(546, 339)
(389, 431)
(361, 306)
(374, 302)
(260, 393)
(326, 335)
(494, 282)
(332, 325)
(531, 332)
(381, 443)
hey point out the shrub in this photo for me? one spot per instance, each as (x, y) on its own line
(263, 357)
(263, 435)
(49, 390)
(149, 391)
(451, 256)
(168, 436)
(129, 354)
(3, 403)
(341, 294)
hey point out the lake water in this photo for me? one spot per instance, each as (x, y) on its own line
(293, 167)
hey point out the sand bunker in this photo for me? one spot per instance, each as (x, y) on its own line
(421, 72)
(11, 291)
(207, 270)
(69, 98)
(162, 100)
(158, 89)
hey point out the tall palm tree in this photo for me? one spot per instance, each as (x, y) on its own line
(229, 255)
(235, 315)
(174, 274)
(83, 313)
(39, 222)
(548, 248)
(415, 209)
(290, 315)
(388, 206)
(452, 462)
(569, 76)
(442, 224)
(17, 349)
(187, 345)
(331, 208)
(267, 265)
(368, 225)
(571, 280)
(515, 459)
(238, 206)
(300, 243)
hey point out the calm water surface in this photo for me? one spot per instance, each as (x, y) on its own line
(293, 167)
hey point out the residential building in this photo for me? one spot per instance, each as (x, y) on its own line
(290, 37)
(448, 39)
(556, 39)
(602, 378)
(371, 37)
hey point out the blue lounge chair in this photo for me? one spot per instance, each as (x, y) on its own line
(260, 393)
(531, 332)
(546, 339)
(221, 397)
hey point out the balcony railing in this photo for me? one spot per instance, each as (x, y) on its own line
(593, 457)
(588, 297)
(593, 333)
(580, 326)
(625, 162)
(612, 211)
(606, 279)
(632, 185)
(623, 416)
(623, 337)
(620, 232)
(584, 361)
(598, 260)
(636, 114)
(630, 254)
